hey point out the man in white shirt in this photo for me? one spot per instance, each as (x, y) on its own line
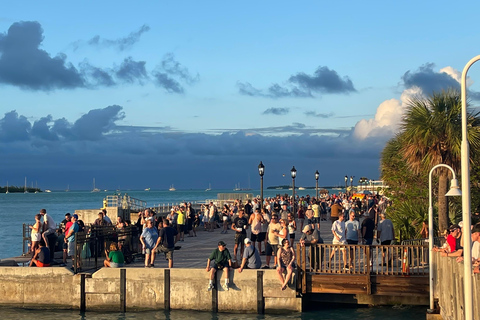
(338, 230)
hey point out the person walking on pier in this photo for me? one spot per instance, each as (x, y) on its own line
(149, 239)
(338, 230)
(240, 225)
(352, 230)
(221, 261)
(166, 242)
(385, 233)
(273, 231)
(70, 236)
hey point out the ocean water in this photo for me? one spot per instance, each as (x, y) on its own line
(324, 313)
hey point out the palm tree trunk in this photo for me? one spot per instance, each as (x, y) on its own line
(443, 221)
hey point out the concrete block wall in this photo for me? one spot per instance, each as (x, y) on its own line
(145, 290)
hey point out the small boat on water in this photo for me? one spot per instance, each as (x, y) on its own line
(172, 188)
(48, 190)
(25, 187)
(146, 189)
(94, 188)
(7, 188)
(301, 188)
(209, 187)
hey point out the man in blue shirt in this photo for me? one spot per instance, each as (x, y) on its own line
(71, 239)
(149, 239)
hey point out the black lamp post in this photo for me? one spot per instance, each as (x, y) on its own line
(261, 172)
(317, 175)
(293, 172)
(351, 181)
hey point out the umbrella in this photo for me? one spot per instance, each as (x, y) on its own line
(364, 192)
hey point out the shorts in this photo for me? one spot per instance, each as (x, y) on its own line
(292, 236)
(352, 241)
(167, 251)
(71, 248)
(239, 238)
(254, 237)
(386, 242)
(271, 249)
(148, 250)
(65, 246)
(335, 241)
(261, 236)
(115, 265)
(48, 232)
(218, 266)
(41, 264)
(333, 219)
(316, 220)
(285, 267)
(368, 242)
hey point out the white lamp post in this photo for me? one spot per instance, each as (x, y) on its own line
(467, 249)
(454, 191)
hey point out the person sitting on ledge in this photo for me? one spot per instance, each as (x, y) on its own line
(251, 257)
(41, 257)
(222, 260)
(115, 258)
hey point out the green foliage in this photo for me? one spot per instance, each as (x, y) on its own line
(407, 217)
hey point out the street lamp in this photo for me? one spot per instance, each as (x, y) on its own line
(465, 156)
(317, 175)
(346, 179)
(293, 172)
(261, 172)
(351, 181)
(454, 191)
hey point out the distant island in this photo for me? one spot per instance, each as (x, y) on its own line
(15, 189)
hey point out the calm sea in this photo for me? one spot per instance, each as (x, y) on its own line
(19, 208)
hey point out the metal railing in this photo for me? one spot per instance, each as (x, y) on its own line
(124, 202)
(90, 246)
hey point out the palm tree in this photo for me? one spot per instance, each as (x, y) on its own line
(431, 134)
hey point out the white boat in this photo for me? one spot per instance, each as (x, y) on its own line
(7, 188)
(25, 187)
(147, 189)
(95, 189)
(301, 188)
(68, 188)
(209, 187)
(172, 188)
(48, 190)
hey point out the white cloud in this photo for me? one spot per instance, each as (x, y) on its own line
(387, 118)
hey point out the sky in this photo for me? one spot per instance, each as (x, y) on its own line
(191, 93)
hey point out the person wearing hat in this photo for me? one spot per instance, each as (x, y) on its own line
(221, 260)
(251, 257)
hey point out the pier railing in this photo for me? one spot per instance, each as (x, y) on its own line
(125, 202)
(90, 246)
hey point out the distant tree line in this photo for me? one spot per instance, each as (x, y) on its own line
(15, 189)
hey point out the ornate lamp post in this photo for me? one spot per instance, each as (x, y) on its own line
(351, 181)
(317, 175)
(346, 179)
(454, 191)
(261, 172)
(293, 172)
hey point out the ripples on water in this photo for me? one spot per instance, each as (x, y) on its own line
(336, 313)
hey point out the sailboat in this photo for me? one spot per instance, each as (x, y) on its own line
(68, 188)
(7, 188)
(172, 188)
(209, 187)
(95, 189)
(25, 187)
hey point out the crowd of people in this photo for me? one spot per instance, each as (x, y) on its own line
(258, 229)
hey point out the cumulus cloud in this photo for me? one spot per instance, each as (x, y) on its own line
(302, 85)
(277, 111)
(429, 81)
(24, 64)
(14, 127)
(121, 44)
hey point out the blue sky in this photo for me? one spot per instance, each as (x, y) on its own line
(188, 93)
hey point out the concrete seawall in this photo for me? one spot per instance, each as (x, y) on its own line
(251, 291)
